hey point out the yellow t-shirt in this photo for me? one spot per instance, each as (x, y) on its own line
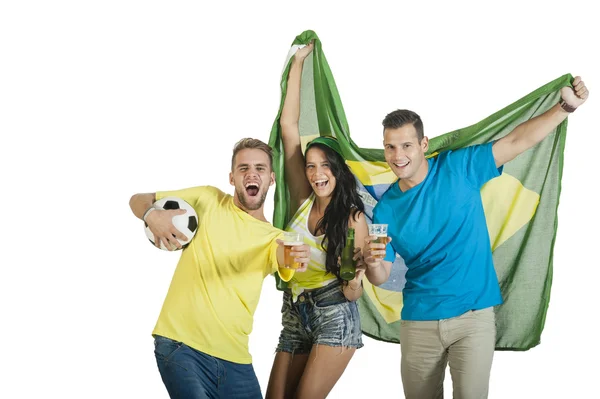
(217, 283)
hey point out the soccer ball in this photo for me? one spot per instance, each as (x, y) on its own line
(186, 223)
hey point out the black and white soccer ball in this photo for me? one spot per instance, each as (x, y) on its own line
(186, 223)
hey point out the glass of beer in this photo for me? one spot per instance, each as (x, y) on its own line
(291, 240)
(379, 231)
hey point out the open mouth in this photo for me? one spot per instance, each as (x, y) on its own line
(401, 165)
(321, 183)
(252, 189)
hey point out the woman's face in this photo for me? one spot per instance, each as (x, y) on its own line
(318, 172)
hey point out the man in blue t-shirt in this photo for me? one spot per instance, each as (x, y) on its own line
(437, 224)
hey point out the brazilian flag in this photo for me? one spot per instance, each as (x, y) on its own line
(520, 205)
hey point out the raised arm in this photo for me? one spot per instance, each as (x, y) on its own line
(530, 133)
(290, 115)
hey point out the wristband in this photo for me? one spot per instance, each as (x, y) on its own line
(152, 208)
(567, 107)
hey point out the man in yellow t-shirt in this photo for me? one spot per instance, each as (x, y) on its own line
(201, 336)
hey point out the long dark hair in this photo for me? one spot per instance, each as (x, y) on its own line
(345, 202)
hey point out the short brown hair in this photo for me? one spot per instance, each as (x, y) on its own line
(249, 143)
(401, 117)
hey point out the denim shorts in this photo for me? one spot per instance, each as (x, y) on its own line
(323, 316)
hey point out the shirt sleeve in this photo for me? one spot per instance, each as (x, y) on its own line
(380, 217)
(200, 198)
(475, 163)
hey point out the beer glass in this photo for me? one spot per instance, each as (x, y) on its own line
(291, 240)
(379, 231)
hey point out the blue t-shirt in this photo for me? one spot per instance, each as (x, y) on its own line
(438, 227)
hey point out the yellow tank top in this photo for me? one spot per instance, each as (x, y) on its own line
(315, 276)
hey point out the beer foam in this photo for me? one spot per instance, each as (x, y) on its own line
(292, 243)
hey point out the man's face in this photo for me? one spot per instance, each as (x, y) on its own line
(403, 152)
(251, 176)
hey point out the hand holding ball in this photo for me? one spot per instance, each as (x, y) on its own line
(166, 228)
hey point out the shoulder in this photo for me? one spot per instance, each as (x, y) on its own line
(199, 191)
(449, 156)
(209, 197)
(190, 193)
(211, 191)
(465, 152)
(453, 162)
(388, 196)
(210, 194)
(356, 218)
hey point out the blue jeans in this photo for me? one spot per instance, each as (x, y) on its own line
(191, 374)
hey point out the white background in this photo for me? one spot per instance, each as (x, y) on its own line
(101, 100)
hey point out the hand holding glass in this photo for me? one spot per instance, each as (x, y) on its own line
(290, 241)
(379, 231)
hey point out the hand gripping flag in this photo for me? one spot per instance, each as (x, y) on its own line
(520, 205)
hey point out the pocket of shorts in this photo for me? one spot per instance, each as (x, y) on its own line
(165, 347)
(287, 307)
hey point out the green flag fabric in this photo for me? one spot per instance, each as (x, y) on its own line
(520, 205)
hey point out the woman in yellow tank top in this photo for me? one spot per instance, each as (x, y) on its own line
(319, 313)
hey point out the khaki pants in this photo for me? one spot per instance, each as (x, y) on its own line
(465, 342)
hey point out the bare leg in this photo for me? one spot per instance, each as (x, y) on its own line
(285, 375)
(324, 368)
